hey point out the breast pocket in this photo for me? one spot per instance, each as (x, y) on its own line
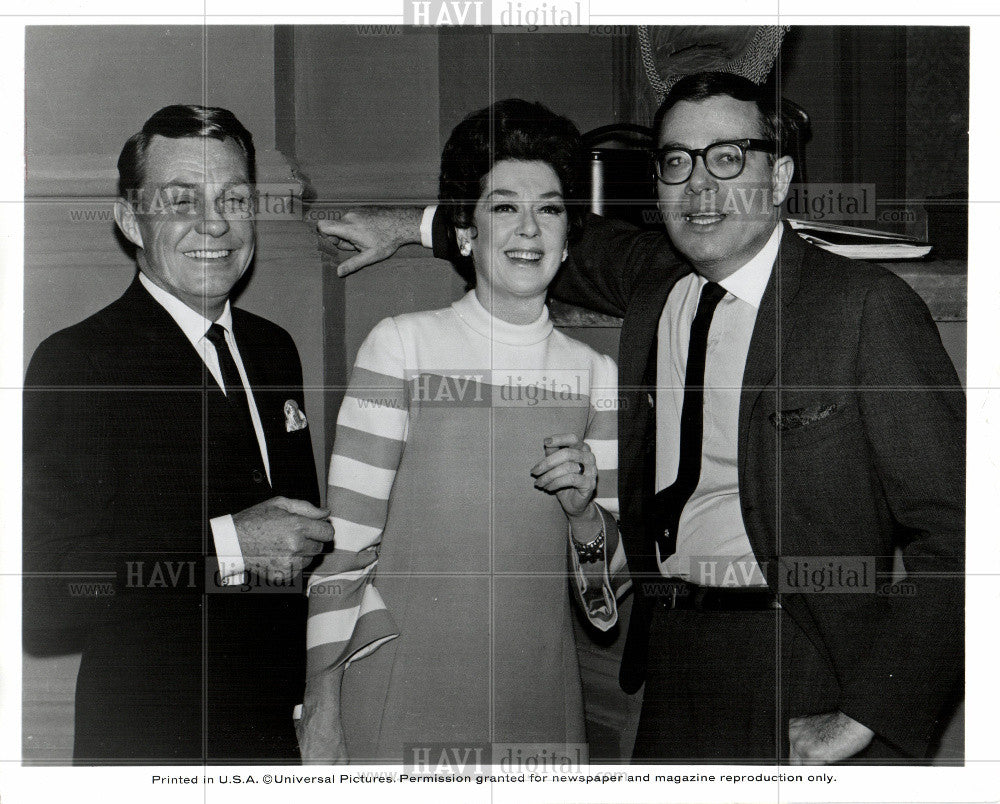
(811, 432)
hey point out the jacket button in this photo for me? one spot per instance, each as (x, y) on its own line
(258, 476)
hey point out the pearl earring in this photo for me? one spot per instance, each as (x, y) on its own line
(465, 248)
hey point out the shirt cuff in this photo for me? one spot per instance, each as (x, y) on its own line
(232, 568)
(427, 226)
(598, 600)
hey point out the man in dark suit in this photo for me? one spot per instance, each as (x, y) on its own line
(170, 495)
(788, 419)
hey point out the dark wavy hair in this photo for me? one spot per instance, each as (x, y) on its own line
(508, 129)
(776, 122)
(175, 122)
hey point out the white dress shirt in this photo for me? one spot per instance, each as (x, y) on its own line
(712, 544)
(194, 326)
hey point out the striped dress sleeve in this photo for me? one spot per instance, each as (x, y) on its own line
(599, 602)
(347, 616)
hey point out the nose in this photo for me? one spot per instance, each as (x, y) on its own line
(700, 179)
(213, 221)
(528, 225)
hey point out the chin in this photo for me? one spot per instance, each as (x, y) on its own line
(695, 248)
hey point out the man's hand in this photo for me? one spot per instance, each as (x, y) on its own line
(569, 470)
(278, 537)
(375, 232)
(827, 738)
(319, 730)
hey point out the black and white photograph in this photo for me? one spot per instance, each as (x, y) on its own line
(500, 400)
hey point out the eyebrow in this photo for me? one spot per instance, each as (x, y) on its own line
(675, 144)
(512, 194)
(188, 185)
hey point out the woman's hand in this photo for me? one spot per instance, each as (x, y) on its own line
(569, 470)
(319, 731)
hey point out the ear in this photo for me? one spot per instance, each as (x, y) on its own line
(465, 238)
(781, 179)
(127, 222)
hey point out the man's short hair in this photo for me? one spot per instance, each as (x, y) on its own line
(774, 125)
(178, 121)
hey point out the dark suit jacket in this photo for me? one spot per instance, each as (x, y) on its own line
(885, 468)
(129, 450)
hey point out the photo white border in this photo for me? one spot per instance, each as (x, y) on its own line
(979, 780)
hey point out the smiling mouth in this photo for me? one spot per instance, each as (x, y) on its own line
(208, 255)
(524, 255)
(704, 218)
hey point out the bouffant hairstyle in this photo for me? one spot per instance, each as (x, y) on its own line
(509, 129)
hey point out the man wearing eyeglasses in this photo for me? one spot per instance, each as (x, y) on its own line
(788, 419)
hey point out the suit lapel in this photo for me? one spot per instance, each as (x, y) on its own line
(770, 333)
(255, 363)
(165, 354)
(638, 347)
(637, 416)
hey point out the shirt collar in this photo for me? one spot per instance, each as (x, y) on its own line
(749, 282)
(192, 323)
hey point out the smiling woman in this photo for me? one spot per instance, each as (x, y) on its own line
(467, 438)
(521, 140)
(518, 238)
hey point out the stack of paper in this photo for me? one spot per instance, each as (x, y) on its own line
(860, 244)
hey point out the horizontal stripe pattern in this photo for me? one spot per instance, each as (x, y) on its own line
(361, 477)
(352, 536)
(599, 602)
(370, 416)
(352, 506)
(347, 620)
(347, 616)
(399, 367)
(372, 448)
(605, 451)
(346, 565)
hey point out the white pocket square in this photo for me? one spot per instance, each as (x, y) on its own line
(295, 419)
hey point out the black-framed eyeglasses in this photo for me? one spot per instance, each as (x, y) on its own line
(724, 160)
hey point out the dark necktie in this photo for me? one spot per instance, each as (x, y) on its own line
(668, 503)
(235, 393)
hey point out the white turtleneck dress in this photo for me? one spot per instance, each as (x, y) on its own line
(461, 631)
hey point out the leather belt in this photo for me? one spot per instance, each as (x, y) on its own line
(678, 594)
